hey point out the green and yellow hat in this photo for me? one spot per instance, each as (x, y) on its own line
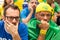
(44, 7)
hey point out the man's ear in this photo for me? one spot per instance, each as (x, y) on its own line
(3, 17)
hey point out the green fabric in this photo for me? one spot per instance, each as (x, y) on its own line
(57, 37)
(44, 0)
(15, 0)
(33, 30)
(57, 7)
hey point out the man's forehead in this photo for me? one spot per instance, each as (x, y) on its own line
(11, 11)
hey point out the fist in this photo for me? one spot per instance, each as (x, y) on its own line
(44, 25)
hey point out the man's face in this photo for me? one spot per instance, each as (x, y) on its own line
(33, 3)
(12, 16)
(44, 15)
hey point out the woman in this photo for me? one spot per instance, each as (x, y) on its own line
(8, 2)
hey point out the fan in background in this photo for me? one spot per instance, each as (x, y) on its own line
(19, 3)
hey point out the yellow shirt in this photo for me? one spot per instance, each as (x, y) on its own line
(19, 4)
(1, 12)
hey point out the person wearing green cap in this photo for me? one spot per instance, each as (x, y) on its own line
(42, 27)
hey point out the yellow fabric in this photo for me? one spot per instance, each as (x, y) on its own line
(40, 1)
(19, 4)
(1, 13)
(44, 7)
(43, 32)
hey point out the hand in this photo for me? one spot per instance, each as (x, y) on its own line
(30, 8)
(44, 25)
(11, 29)
(12, 1)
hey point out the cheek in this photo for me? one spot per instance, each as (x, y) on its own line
(8, 20)
(39, 17)
(49, 18)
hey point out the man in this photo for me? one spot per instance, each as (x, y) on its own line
(10, 27)
(42, 27)
(28, 12)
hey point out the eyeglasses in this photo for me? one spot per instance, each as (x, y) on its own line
(11, 18)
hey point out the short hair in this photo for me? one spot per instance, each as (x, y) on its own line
(12, 6)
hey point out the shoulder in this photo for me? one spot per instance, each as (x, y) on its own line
(22, 25)
(1, 23)
(25, 10)
(32, 23)
(22, 28)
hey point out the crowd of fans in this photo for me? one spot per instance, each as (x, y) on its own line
(32, 20)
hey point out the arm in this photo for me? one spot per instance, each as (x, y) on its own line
(16, 37)
(41, 37)
(44, 27)
(25, 20)
(42, 34)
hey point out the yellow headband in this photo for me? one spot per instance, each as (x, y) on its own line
(44, 7)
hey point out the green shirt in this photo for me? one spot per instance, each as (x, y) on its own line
(33, 29)
(57, 7)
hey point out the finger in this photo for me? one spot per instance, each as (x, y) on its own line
(43, 22)
(17, 24)
(7, 21)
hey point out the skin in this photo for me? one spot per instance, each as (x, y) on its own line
(44, 17)
(11, 26)
(32, 4)
(9, 1)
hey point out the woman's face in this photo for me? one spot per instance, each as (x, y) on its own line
(9, 1)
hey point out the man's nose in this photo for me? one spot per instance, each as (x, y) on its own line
(14, 20)
(34, 4)
(45, 18)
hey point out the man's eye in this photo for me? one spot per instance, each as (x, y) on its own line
(48, 14)
(11, 17)
(41, 14)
